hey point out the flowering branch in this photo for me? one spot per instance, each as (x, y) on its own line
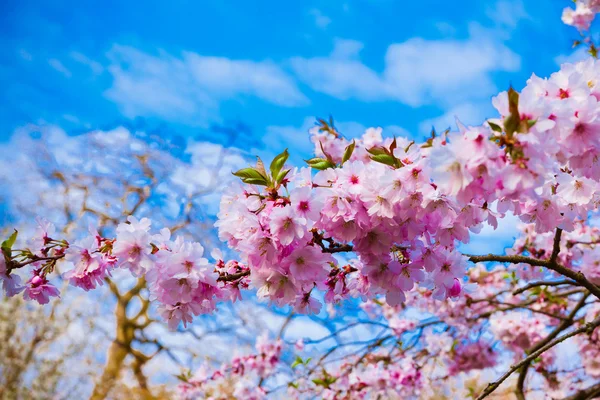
(587, 328)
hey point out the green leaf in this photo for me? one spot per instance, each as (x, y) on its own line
(495, 127)
(295, 385)
(387, 159)
(320, 163)
(278, 163)
(297, 361)
(320, 382)
(255, 181)
(348, 152)
(282, 175)
(8, 243)
(377, 150)
(251, 176)
(511, 123)
(326, 381)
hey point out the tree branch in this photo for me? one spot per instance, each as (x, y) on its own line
(517, 259)
(556, 246)
(543, 283)
(563, 325)
(587, 328)
(586, 394)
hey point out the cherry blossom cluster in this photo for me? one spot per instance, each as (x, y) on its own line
(582, 16)
(401, 208)
(180, 279)
(238, 378)
(517, 331)
(377, 379)
(397, 223)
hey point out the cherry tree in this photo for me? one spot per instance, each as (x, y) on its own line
(379, 223)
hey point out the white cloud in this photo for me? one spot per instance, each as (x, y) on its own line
(321, 20)
(342, 74)
(58, 66)
(507, 13)
(95, 66)
(190, 87)
(417, 72)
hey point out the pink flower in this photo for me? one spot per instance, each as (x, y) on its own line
(174, 314)
(88, 267)
(38, 289)
(308, 263)
(581, 18)
(407, 274)
(132, 247)
(469, 356)
(43, 233)
(286, 225)
(306, 205)
(307, 304)
(11, 283)
(572, 190)
(452, 267)
(456, 288)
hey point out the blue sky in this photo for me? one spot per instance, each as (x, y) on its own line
(267, 68)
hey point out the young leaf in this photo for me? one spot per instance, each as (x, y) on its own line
(495, 127)
(320, 163)
(255, 181)
(282, 175)
(297, 361)
(278, 163)
(511, 123)
(386, 159)
(320, 382)
(251, 176)
(377, 150)
(8, 243)
(348, 152)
